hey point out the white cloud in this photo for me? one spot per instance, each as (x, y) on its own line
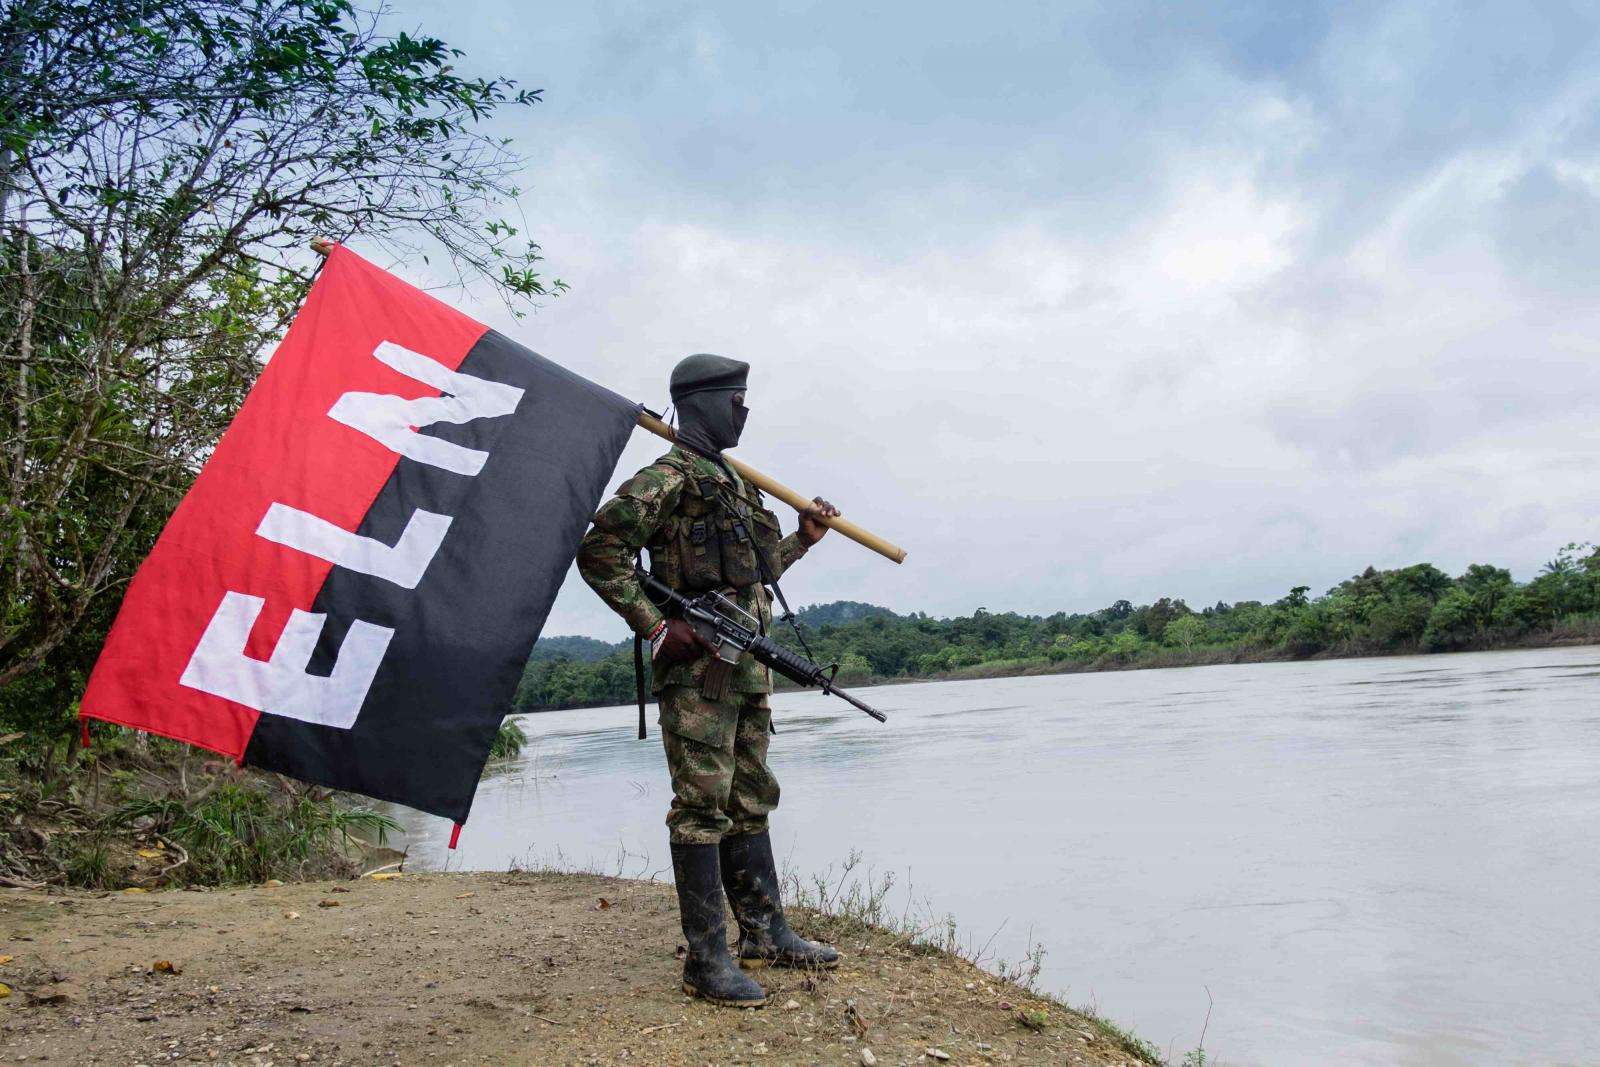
(1212, 331)
(1050, 424)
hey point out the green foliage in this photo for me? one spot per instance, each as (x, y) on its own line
(584, 649)
(569, 683)
(839, 612)
(1185, 631)
(1154, 620)
(143, 810)
(162, 167)
(246, 833)
(508, 740)
(1408, 609)
(853, 667)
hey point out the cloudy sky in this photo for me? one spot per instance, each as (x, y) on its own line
(1087, 301)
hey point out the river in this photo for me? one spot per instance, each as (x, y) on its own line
(1374, 861)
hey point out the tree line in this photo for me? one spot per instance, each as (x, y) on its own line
(1419, 608)
(162, 170)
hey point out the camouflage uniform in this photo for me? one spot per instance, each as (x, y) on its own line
(702, 527)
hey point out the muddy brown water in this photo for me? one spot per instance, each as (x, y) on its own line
(1381, 861)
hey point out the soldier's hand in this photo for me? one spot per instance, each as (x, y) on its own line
(677, 643)
(811, 525)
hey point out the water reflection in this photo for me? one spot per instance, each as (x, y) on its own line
(1366, 861)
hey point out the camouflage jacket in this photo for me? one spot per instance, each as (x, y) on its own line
(684, 509)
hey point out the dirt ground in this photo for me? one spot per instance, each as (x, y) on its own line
(475, 968)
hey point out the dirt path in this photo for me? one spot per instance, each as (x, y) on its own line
(457, 969)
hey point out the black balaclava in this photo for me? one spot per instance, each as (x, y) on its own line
(703, 387)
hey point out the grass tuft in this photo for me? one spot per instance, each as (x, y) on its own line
(847, 903)
(240, 834)
(508, 741)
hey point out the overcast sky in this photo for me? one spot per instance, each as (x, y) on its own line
(1080, 302)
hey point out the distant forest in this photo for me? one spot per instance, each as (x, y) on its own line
(1411, 609)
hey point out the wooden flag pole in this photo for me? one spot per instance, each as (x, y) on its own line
(866, 538)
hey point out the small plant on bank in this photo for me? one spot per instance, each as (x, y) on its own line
(508, 741)
(844, 904)
(1025, 972)
(1035, 1019)
(244, 833)
(1121, 1037)
(148, 812)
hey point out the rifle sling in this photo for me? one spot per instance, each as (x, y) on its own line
(638, 656)
(638, 678)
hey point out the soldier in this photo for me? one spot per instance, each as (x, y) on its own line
(706, 529)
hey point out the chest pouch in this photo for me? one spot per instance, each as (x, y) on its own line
(697, 542)
(747, 529)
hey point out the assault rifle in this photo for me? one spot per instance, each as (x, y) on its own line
(715, 619)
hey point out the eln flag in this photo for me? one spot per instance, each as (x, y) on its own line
(351, 588)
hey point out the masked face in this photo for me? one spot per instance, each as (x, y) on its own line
(712, 420)
(709, 393)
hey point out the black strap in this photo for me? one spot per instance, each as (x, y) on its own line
(638, 678)
(770, 579)
(638, 659)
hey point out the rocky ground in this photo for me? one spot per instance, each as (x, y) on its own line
(474, 968)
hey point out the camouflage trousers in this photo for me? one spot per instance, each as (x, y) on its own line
(717, 755)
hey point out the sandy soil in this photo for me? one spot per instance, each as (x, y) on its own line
(482, 968)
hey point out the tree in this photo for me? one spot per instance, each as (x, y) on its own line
(1454, 621)
(1125, 646)
(1488, 587)
(1307, 634)
(1398, 621)
(1158, 615)
(854, 667)
(1185, 630)
(161, 170)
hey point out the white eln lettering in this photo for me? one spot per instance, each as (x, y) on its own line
(393, 421)
(403, 563)
(281, 686)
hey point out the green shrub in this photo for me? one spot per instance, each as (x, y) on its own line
(508, 740)
(1456, 620)
(243, 833)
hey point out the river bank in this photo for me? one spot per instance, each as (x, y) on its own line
(1396, 612)
(1173, 835)
(1569, 633)
(479, 968)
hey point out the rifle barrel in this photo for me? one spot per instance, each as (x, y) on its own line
(874, 712)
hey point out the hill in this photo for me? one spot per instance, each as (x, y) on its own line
(840, 612)
(577, 649)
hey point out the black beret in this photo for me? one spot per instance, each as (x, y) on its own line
(702, 372)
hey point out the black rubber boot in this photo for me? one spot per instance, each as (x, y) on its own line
(751, 878)
(709, 971)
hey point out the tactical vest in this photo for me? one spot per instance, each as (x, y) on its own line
(711, 541)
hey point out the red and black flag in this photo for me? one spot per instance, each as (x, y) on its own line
(349, 592)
